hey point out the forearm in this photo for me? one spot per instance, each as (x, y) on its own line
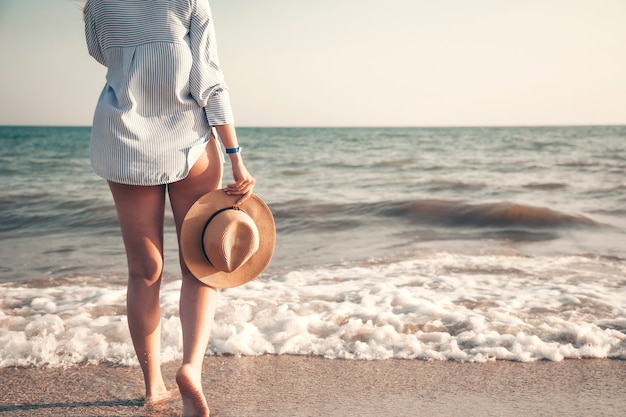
(244, 182)
(228, 136)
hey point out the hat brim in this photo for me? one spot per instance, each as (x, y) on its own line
(193, 228)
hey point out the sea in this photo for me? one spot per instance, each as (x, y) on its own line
(468, 244)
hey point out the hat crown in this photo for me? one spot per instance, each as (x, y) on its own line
(242, 241)
(230, 239)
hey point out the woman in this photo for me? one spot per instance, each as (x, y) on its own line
(152, 134)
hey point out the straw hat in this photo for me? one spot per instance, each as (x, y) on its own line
(225, 245)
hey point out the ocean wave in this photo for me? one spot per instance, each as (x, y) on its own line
(499, 214)
(436, 306)
(301, 214)
(545, 186)
(51, 213)
(295, 172)
(395, 163)
(40, 213)
(446, 185)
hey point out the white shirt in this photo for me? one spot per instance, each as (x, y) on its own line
(164, 88)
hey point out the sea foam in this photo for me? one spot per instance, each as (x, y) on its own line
(434, 306)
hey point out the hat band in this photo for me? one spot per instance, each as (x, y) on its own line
(209, 221)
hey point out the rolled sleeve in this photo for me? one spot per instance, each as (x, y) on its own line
(206, 83)
(218, 109)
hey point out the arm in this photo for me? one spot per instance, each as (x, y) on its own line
(206, 81)
(91, 36)
(244, 182)
(209, 89)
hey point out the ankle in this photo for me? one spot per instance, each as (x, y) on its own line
(190, 370)
(156, 391)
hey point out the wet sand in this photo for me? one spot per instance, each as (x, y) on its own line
(296, 386)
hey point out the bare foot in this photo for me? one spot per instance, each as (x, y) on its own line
(161, 405)
(194, 402)
(159, 398)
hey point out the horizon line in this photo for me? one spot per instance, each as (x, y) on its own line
(368, 126)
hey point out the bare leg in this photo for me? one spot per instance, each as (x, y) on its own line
(140, 214)
(197, 301)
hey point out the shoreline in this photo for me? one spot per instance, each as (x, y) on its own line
(300, 386)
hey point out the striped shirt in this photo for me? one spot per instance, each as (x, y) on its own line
(164, 88)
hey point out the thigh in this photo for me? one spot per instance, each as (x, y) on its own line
(140, 212)
(205, 176)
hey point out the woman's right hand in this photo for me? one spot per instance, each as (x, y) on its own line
(244, 181)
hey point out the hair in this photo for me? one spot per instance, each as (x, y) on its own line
(82, 4)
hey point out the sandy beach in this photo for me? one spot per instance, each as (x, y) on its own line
(298, 386)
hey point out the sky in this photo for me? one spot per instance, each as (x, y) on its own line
(354, 62)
